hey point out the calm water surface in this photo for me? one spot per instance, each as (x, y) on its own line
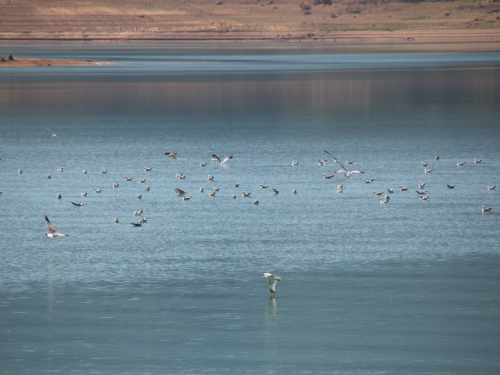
(407, 287)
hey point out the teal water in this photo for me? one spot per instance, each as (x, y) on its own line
(407, 287)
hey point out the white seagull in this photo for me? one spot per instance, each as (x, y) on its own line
(485, 209)
(271, 281)
(217, 159)
(491, 187)
(52, 230)
(55, 135)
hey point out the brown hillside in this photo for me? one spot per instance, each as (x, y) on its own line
(259, 20)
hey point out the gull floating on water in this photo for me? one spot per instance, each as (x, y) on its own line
(137, 213)
(477, 161)
(139, 224)
(294, 163)
(128, 178)
(83, 194)
(244, 194)
(427, 170)
(77, 204)
(49, 177)
(185, 198)
(55, 135)
(459, 164)
(211, 193)
(60, 169)
(104, 171)
(485, 209)
(403, 188)
(450, 186)
(59, 196)
(271, 281)
(52, 230)
(115, 185)
(421, 185)
(203, 164)
(423, 197)
(97, 191)
(84, 171)
(147, 169)
(328, 176)
(116, 220)
(491, 187)
(19, 171)
(255, 202)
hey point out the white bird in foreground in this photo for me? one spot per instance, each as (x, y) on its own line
(271, 281)
(52, 230)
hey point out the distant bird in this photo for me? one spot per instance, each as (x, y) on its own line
(144, 219)
(142, 180)
(211, 193)
(385, 200)
(139, 224)
(423, 164)
(264, 186)
(294, 163)
(60, 169)
(436, 158)
(137, 213)
(97, 191)
(203, 164)
(427, 170)
(485, 209)
(403, 188)
(421, 185)
(55, 135)
(491, 187)
(275, 191)
(328, 176)
(459, 164)
(217, 159)
(244, 194)
(271, 281)
(128, 178)
(180, 176)
(421, 192)
(450, 186)
(233, 196)
(201, 190)
(52, 230)
(19, 171)
(185, 198)
(294, 191)
(116, 220)
(210, 178)
(255, 202)
(378, 192)
(139, 196)
(477, 161)
(321, 162)
(237, 185)
(173, 155)
(115, 185)
(423, 197)
(368, 181)
(104, 171)
(83, 194)
(179, 191)
(147, 169)
(77, 204)
(390, 191)
(59, 196)
(147, 188)
(49, 177)
(84, 171)
(349, 161)
(348, 174)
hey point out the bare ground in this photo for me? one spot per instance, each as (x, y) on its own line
(387, 21)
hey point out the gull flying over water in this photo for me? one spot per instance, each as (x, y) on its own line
(217, 159)
(344, 170)
(52, 230)
(271, 281)
(55, 135)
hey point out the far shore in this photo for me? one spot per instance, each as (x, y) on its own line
(30, 63)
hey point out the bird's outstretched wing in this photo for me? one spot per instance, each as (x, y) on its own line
(336, 160)
(50, 226)
(215, 157)
(226, 159)
(55, 135)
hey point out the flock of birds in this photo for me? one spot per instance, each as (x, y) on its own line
(385, 196)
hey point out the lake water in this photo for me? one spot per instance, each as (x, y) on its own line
(407, 287)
